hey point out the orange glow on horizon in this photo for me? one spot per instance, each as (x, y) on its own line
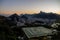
(24, 12)
(20, 12)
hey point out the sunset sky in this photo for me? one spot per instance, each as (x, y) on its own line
(29, 6)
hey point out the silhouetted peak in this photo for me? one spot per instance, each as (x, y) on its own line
(42, 12)
(14, 15)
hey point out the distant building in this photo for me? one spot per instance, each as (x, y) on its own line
(36, 33)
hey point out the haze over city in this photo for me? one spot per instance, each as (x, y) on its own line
(29, 6)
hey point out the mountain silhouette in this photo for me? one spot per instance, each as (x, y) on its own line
(14, 17)
(43, 15)
(47, 15)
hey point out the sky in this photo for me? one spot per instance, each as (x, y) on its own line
(29, 6)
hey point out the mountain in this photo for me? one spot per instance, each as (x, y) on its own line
(45, 18)
(14, 17)
(42, 15)
(47, 15)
